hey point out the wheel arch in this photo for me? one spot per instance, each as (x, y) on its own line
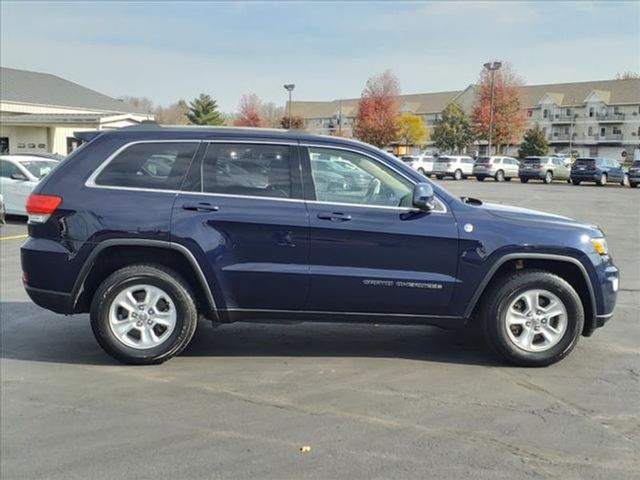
(110, 255)
(568, 268)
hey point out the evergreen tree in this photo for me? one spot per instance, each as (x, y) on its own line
(204, 111)
(452, 132)
(534, 143)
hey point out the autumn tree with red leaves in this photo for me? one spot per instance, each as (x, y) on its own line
(249, 115)
(509, 119)
(376, 118)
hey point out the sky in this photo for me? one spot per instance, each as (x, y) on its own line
(167, 51)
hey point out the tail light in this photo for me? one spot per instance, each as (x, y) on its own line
(40, 207)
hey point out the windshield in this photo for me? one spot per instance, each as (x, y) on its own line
(39, 168)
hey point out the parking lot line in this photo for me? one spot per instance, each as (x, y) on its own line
(14, 237)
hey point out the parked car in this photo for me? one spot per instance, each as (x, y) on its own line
(499, 168)
(2, 210)
(147, 262)
(598, 170)
(51, 156)
(353, 177)
(634, 174)
(546, 169)
(19, 174)
(424, 163)
(456, 166)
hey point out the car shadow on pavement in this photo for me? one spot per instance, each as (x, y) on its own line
(32, 334)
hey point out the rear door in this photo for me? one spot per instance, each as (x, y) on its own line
(369, 252)
(241, 212)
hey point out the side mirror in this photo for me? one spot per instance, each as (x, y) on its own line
(423, 197)
(19, 176)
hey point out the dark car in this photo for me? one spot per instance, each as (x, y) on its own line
(598, 170)
(634, 174)
(148, 254)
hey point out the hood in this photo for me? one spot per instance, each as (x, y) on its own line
(525, 214)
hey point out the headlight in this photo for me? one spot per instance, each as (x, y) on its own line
(600, 245)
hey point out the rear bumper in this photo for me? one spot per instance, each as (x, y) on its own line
(585, 176)
(531, 174)
(58, 302)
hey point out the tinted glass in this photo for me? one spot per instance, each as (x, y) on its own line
(251, 170)
(366, 182)
(532, 161)
(160, 165)
(584, 162)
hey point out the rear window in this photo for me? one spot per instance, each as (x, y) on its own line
(635, 164)
(584, 162)
(157, 165)
(407, 158)
(446, 160)
(39, 168)
(532, 161)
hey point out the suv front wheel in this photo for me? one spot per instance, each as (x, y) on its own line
(143, 314)
(532, 318)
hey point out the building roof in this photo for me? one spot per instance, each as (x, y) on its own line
(53, 118)
(23, 86)
(572, 94)
(564, 94)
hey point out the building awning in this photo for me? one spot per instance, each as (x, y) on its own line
(56, 118)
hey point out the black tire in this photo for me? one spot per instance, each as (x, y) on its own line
(575, 182)
(457, 175)
(157, 276)
(602, 181)
(504, 291)
(499, 177)
(439, 177)
(524, 180)
(633, 184)
(548, 178)
(480, 178)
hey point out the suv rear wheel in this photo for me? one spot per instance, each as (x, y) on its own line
(457, 175)
(603, 180)
(143, 314)
(548, 177)
(532, 318)
(499, 176)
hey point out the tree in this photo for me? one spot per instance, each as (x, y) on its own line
(452, 132)
(297, 123)
(375, 121)
(174, 114)
(508, 116)
(271, 115)
(411, 129)
(203, 110)
(627, 75)
(141, 103)
(249, 115)
(534, 143)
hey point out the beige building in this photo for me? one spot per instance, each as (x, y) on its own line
(40, 112)
(590, 118)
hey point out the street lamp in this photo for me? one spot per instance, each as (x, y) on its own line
(492, 67)
(289, 87)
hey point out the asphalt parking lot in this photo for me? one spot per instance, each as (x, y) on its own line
(374, 402)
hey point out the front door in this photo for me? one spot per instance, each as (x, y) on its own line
(241, 211)
(370, 253)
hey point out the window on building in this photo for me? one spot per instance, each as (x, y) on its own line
(603, 132)
(545, 113)
(591, 111)
(4, 145)
(153, 165)
(242, 169)
(529, 113)
(566, 130)
(590, 131)
(568, 112)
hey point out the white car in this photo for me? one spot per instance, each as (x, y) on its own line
(456, 166)
(423, 163)
(19, 174)
(2, 212)
(498, 168)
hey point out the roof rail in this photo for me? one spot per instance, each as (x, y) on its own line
(143, 125)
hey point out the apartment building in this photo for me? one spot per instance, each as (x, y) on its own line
(588, 118)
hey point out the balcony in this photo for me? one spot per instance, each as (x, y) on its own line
(610, 138)
(561, 138)
(563, 118)
(611, 117)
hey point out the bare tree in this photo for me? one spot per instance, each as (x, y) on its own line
(174, 114)
(271, 115)
(142, 103)
(628, 75)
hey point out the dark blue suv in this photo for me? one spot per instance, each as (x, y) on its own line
(150, 228)
(598, 170)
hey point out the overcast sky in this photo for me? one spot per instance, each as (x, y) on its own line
(167, 51)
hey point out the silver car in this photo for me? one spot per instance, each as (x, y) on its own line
(499, 168)
(456, 166)
(423, 163)
(546, 169)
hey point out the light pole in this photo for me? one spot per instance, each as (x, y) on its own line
(492, 67)
(289, 87)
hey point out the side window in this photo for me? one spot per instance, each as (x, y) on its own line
(7, 169)
(348, 177)
(244, 169)
(155, 165)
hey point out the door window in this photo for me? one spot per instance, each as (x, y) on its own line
(243, 169)
(348, 177)
(7, 169)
